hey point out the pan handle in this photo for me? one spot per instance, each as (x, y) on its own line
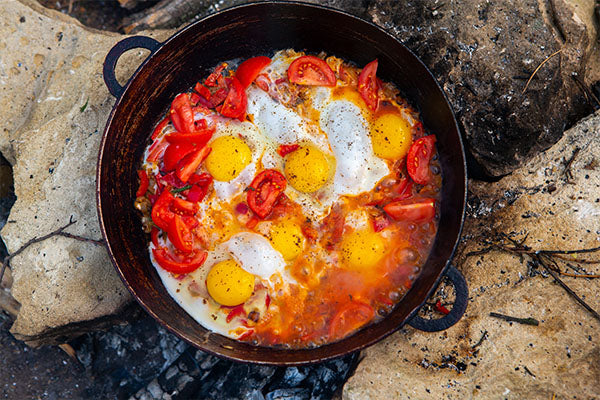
(110, 62)
(457, 311)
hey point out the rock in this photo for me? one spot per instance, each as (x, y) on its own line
(552, 202)
(483, 53)
(55, 106)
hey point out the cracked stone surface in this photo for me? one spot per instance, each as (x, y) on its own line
(554, 206)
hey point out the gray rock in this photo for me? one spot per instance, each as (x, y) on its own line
(483, 53)
(554, 202)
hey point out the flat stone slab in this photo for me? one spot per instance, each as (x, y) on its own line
(553, 203)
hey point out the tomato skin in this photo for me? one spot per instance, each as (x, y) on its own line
(350, 318)
(144, 183)
(188, 165)
(180, 235)
(422, 210)
(418, 158)
(169, 263)
(311, 71)
(285, 149)
(161, 212)
(174, 153)
(236, 101)
(264, 191)
(368, 86)
(247, 72)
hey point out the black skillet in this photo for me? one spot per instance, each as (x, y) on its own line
(242, 32)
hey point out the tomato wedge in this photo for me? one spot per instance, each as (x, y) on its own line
(236, 101)
(180, 235)
(177, 265)
(418, 158)
(144, 183)
(174, 153)
(181, 113)
(264, 191)
(422, 210)
(161, 212)
(368, 86)
(247, 72)
(188, 165)
(311, 71)
(349, 319)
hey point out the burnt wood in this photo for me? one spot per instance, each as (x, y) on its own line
(242, 32)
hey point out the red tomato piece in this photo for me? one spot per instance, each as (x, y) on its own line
(174, 153)
(285, 149)
(440, 308)
(180, 235)
(199, 138)
(188, 165)
(177, 265)
(212, 79)
(218, 97)
(418, 158)
(202, 90)
(144, 183)
(181, 113)
(159, 128)
(247, 72)
(422, 210)
(264, 191)
(349, 319)
(161, 212)
(154, 236)
(263, 82)
(236, 101)
(402, 190)
(200, 183)
(368, 86)
(184, 206)
(312, 71)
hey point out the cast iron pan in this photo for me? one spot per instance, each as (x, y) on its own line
(246, 31)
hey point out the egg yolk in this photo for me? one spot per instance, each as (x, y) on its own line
(228, 157)
(362, 249)
(391, 136)
(287, 238)
(228, 284)
(307, 169)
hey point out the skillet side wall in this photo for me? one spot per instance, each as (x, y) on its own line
(244, 32)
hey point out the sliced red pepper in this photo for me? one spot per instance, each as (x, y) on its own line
(159, 128)
(171, 263)
(211, 81)
(144, 183)
(440, 308)
(161, 212)
(247, 72)
(171, 179)
(184, 206)
(422, 210)
(236, 101)
(418, 159)
(199, 138)
(285, 149)
(180, 235)
(156, 150)
(264, 191)
(218, 97)
(202, 90)
(174, 153)
(181, 113)
(154, 236)
(200, 183)
(368, 86)
(194, 99)
(191, 162)
(235, 311)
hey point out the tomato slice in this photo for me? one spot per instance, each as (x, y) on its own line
(418, 158)
(180, 235)
(264, 191)
(312, 71)
(368, 86)
(181, 113)
(188, 165)
(249, 69)
(172, 263)
(144, 183)
(422, 210)
(161, 212)
(174, 153)
(236, 101)
(349, 319)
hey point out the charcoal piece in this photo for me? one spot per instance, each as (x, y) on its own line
(289, 394)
